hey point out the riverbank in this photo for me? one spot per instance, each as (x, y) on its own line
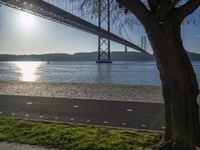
(151, 94)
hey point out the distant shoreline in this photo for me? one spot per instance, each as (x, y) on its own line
(80, 60)
(91, 56)
(83, 61)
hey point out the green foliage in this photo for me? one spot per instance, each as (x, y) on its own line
(76, 137)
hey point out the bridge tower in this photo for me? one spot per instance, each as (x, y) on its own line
(126, 49)
(104, 21)
(144, 43)
(0, 17)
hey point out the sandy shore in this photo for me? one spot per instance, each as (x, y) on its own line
(150, 94)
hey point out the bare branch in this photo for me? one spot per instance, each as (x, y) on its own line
(165, 7)
(153, 4)
(188, 8)
(137, 8)
(156, 5)
(174, 2)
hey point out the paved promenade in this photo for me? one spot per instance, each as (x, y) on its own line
(107, 113)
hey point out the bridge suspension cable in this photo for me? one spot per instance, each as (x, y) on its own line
(121, 26)
(58, 11)
(73, 6)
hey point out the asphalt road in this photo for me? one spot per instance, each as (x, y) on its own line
(108, 113)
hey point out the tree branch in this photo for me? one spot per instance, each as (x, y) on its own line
(153, 4)
(174, 2)
(188, 8)
(137, 8)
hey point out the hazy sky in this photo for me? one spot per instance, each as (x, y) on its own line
(26, 34)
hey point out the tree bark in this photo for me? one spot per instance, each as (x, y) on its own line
(179, 85)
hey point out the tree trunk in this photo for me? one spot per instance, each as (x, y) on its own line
(179, 85)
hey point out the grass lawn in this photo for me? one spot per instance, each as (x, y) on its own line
(74, 137)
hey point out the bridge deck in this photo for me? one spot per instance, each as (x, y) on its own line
(48, 11)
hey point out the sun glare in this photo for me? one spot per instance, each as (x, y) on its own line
(27, 19)
(28, 70)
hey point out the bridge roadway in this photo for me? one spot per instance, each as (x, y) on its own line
(94, 112)
(51, 12)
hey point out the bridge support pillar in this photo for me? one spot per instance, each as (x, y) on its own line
(0, 17)
(104, 43)
(126, 49)
(144, 43)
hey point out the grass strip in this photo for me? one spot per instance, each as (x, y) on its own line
(74, 137)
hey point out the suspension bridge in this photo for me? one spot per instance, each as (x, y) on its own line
(65, 12)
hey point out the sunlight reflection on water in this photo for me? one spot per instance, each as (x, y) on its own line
(131, 73)
(28, 70)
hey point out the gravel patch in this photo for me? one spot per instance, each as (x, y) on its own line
(14, 146)
(151, 94)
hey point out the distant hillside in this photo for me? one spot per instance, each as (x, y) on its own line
(194, 56)
(92, 56)
(116, 56)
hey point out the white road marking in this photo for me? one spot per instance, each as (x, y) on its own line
(123, 124)
(76, 106)
(72, 119)
(27, 115)
(88, 120)
(29, 103)
(163, 127)
(143, 125)
(105, 122)
(129, 110)
(13, 114)
(41, 116)
(1, 112)
(56, 118)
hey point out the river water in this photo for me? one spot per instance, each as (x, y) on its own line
(131, 73)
